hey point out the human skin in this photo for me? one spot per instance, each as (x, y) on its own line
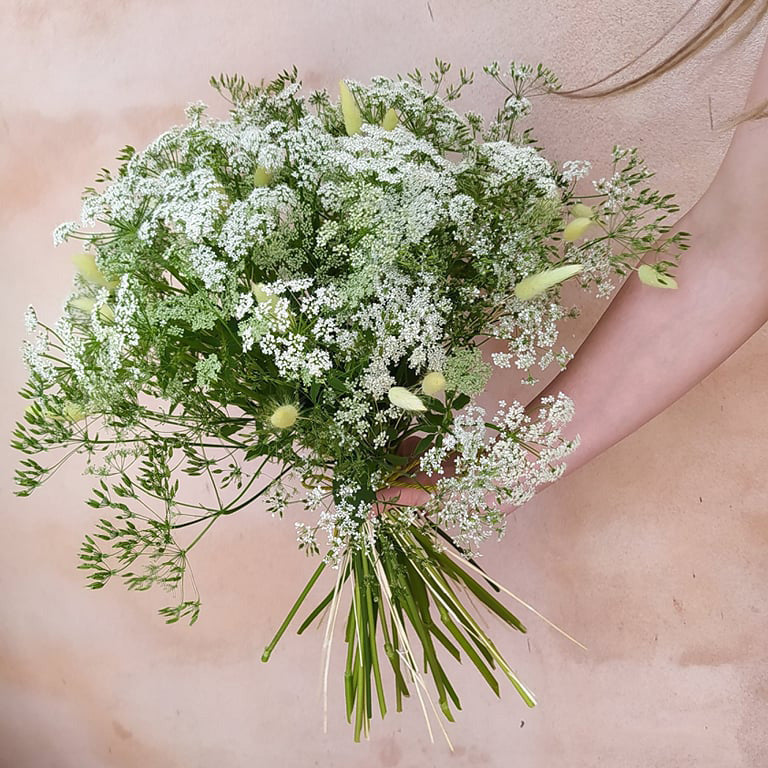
(652, 345)
(655, 554)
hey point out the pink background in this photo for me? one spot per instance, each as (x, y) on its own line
(655, 555)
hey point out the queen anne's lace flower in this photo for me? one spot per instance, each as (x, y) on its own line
(277, 301)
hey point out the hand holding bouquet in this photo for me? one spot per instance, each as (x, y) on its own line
(280, 300)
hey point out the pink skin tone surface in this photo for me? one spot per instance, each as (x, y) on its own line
(654, 554)
(651, 346)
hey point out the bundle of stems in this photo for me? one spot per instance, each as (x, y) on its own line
(406, 583)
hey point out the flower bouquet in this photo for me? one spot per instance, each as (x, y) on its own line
(293, 303)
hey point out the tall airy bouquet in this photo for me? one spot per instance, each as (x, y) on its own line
(284, 301)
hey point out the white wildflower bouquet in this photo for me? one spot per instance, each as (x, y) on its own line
(292, 303)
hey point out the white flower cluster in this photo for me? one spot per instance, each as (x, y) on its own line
(339, 518)
(35, 348)
(407, 322)
(382, 193)
(301, 262)
(511, 164)
(506, 467)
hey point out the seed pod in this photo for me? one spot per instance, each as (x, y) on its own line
(353, 120)
(534, 285)
(285, 416)
(405, 399)
(433, 383)
(576, 228)
(651, 276)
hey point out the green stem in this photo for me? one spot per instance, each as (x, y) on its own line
(372, 635)
(349, 673)
(268, 650)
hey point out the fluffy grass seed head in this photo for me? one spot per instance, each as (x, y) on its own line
(284, 416)
(353, 119)
(390, 121)
(654, 277)
(262, 177)
(581, 211)
(85, 264)
(576, 228)
(405, 399)
(86, 304)
(433, 383)
(73, 412)
(264, 297)
(534, 285)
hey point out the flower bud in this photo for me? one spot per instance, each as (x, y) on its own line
(86, 266)
(576, 228)
(581, 211)
(390, 120)
(405, 399)
(262, 177)
(353, 120)
(433, 383)
(534, 285)
(285, 416)
(651, 276)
